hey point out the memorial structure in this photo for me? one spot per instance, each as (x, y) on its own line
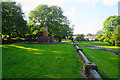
(45, 37)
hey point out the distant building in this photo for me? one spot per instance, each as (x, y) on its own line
(90, 38)
(74, 37)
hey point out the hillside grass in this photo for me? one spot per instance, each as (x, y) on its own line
(39, 61)
(107, 62)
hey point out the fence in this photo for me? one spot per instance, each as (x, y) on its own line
(90, 69)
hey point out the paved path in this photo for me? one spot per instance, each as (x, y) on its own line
(90, 47)
(101, 48)
(107, 49)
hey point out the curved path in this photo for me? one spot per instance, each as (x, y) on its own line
(101, 48)
(107, 49)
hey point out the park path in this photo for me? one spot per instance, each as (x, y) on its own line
(107, 49)
(90, 47)
(101, 48)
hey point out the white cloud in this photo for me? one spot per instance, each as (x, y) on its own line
(93, 2)
(28, 5)
(110, 2)
(80, 0)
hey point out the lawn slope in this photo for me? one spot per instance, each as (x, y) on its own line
(107, 62)
(40, 61)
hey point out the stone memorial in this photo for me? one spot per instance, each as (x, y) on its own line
(45, 37)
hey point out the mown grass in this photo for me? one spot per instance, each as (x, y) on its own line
(66, 40)
(107, 62)
(39, 61)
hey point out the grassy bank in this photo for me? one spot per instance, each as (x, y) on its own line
(107, 62)
(40, 61)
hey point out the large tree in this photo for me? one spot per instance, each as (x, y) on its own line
(116, 36)
(89, 34)
(80, 37)
(99, 34)
(13, 23)
(108, 27)
(53, 16)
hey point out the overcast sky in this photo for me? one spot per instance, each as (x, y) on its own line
(87, 15)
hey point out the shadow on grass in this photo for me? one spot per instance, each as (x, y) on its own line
(40, 61)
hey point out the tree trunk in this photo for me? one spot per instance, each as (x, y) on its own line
(113, 43)
(116, 44)
(9, 36)
(60, 39)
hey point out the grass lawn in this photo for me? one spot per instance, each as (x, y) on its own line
(107, 45)
(66, 40)
(107, 62)
(39, 61)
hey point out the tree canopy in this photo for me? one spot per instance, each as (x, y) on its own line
(110, 30)
(13, 23)
(57, 23)
(80, 37)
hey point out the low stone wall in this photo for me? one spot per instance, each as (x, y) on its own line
(90, 68)
(45, 39)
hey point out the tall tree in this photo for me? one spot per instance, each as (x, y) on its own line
(99, 34)
(53, 16)
(116, 36)
(89, 34)
(108, 27)
(80, 37)
(13, 23)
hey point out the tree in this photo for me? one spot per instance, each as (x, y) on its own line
(108, 27)
(80, 37)
(99, 34)
(57, 23)
(13, 23)
(89, 34)
(116, 36)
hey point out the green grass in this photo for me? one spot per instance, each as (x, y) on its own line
(66, 40)
(40, 61)
(107, 62)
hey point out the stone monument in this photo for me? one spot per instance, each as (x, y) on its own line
(45, 37)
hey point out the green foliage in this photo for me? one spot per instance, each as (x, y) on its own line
(99, 34)
(116, 36)
(89, 34)
(108, 32)
(80, 37)
(40, 61)
(57, 23)
(109, 25)
(13, 23)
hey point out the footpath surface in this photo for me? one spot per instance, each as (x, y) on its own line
(107, 49)
(101, 48)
